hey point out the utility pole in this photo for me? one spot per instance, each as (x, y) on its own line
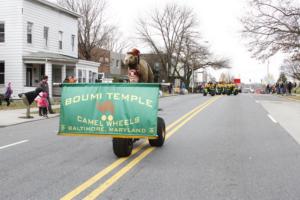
(192, 79)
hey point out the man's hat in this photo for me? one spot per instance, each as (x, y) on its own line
(134, 52)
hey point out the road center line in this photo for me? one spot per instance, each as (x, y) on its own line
(103, 187)
(118, 162)
(273, 120)
(13, 144)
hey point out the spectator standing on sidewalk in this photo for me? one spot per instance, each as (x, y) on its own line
(268, 89)
(72, 79)
(66, 80)
(45, 87)
(281, 86)
(170, 88)
(277, 88)
(8, 94)
(290, 87)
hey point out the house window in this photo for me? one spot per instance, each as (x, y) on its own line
(29, 76)
(2, 72)
(60, 37)
(73, 42)
(29, 32)
(57, 78)
(90, 76)
(46, 31)
(84, 76)
(94, 77)
(2, 32)
(79, 76)
(100, 76)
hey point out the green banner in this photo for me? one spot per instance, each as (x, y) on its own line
(109, 109)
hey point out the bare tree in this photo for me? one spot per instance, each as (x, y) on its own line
(94, 29)
(196, 56)
(115, 42)
(226, 77)
(172, 34)
(272, 26)
(165, 32)
(291, 68)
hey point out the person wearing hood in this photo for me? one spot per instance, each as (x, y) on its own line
(8, 94)
(42, 103)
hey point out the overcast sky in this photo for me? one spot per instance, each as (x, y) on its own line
(219, 25)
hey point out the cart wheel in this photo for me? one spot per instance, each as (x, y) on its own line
(161, 132)
(122, 146)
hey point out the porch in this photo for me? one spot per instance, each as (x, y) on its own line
(57, 67)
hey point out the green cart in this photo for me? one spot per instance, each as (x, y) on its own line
(123, 111)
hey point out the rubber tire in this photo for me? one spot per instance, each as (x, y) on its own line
(122, 147)
(161, 132)
(204, 94)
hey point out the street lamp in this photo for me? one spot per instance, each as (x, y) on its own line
(193, 80)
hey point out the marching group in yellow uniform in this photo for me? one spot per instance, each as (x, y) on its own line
(220, 88)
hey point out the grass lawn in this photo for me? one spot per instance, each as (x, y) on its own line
(18, 104)
(295, 97)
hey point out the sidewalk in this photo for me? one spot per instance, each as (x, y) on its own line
(17, 116)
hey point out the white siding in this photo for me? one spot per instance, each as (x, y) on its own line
(86, 67)
(11, 50)
(115, 64)
(41, 15)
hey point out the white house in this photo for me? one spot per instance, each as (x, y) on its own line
(116, 62)
(200, 76)
(39, 38)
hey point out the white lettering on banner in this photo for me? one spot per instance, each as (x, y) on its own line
(109, 96)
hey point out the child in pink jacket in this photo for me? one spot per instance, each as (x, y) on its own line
(42, 103)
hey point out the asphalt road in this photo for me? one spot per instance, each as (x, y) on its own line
(227, 148)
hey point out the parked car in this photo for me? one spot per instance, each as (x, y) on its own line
(248, 90)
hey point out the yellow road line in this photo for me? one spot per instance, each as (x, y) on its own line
(190, 117)
(187, 114)
(98, 191)
(118, 162)
(100, 174)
